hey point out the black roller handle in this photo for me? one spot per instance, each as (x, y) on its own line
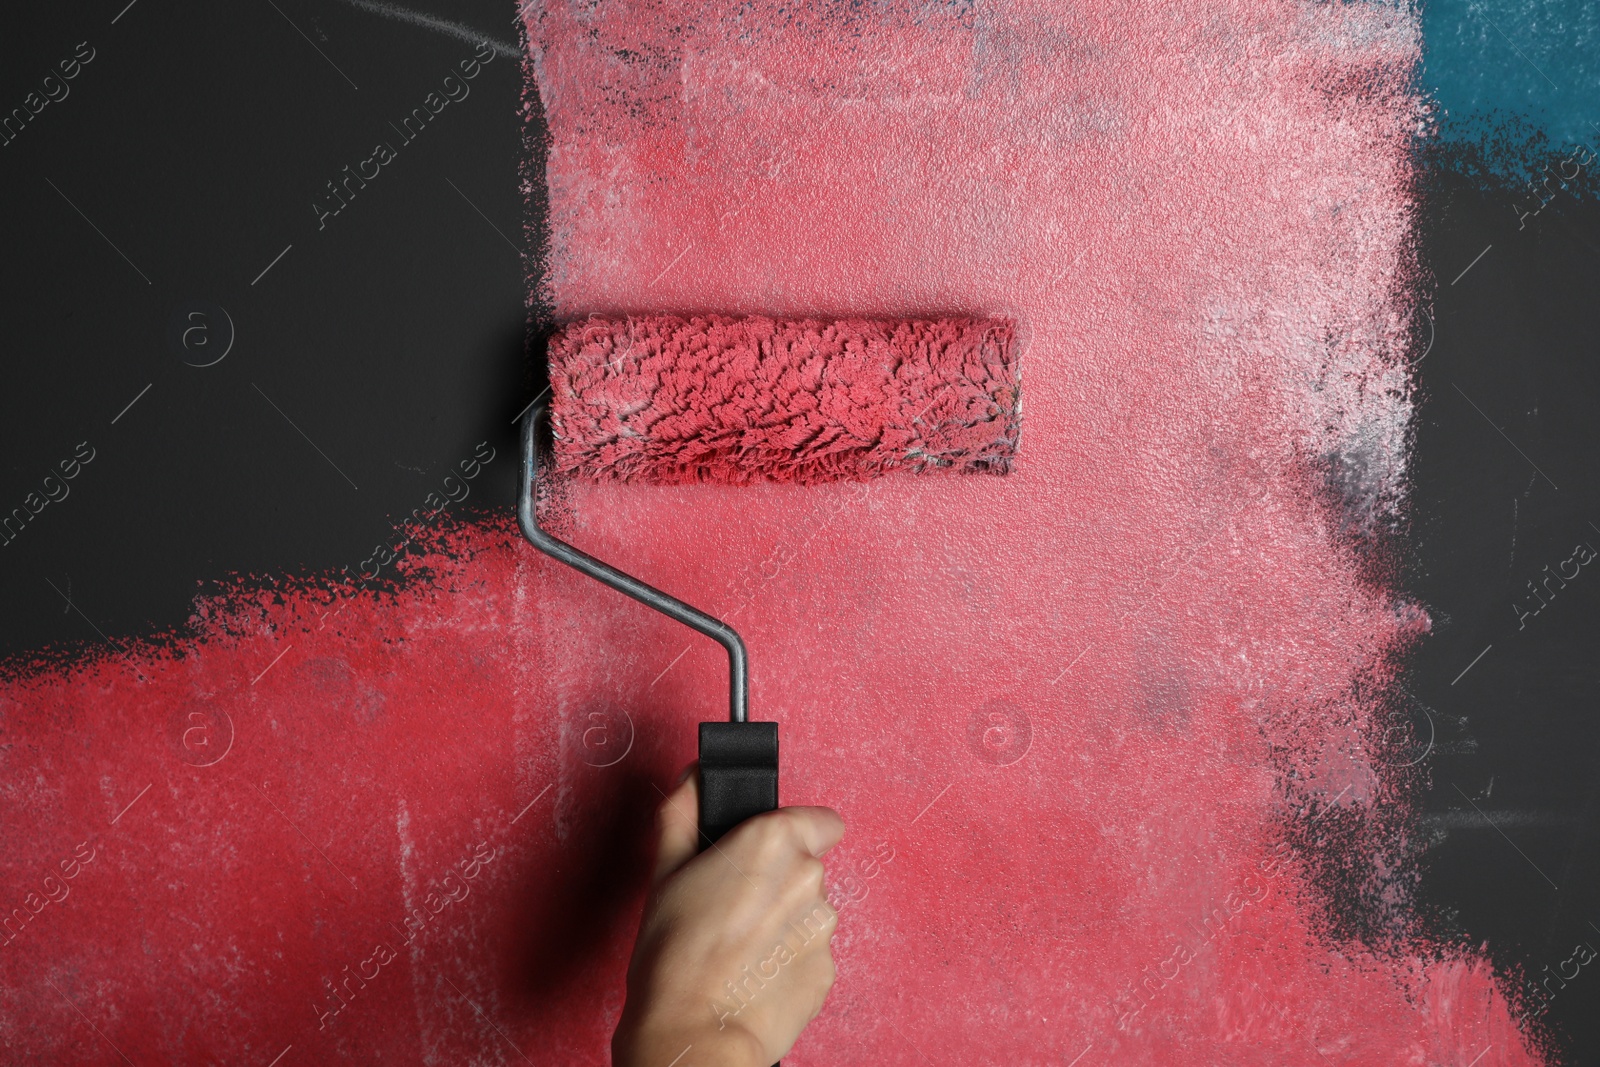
(738, 775)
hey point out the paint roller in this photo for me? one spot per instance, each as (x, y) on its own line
(669, 400)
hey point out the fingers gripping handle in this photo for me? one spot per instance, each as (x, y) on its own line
(738, 775)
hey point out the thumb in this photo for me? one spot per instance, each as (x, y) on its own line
(678, 826)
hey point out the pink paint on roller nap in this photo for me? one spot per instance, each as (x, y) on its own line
(667, 400)
(1103, 711)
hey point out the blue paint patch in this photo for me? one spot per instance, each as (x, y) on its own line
(1519, 80)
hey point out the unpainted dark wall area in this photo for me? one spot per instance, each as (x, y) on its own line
(1504, 489)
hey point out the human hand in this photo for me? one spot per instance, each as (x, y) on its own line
(734, 954)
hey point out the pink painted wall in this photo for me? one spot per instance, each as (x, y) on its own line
(1087, 723)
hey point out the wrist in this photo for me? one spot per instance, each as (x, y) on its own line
(664, 1044)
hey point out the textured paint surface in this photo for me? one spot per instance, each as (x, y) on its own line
(1137, 680)
(667, 400)
(1103, 730)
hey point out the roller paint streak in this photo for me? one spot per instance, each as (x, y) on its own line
(1200, 216)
